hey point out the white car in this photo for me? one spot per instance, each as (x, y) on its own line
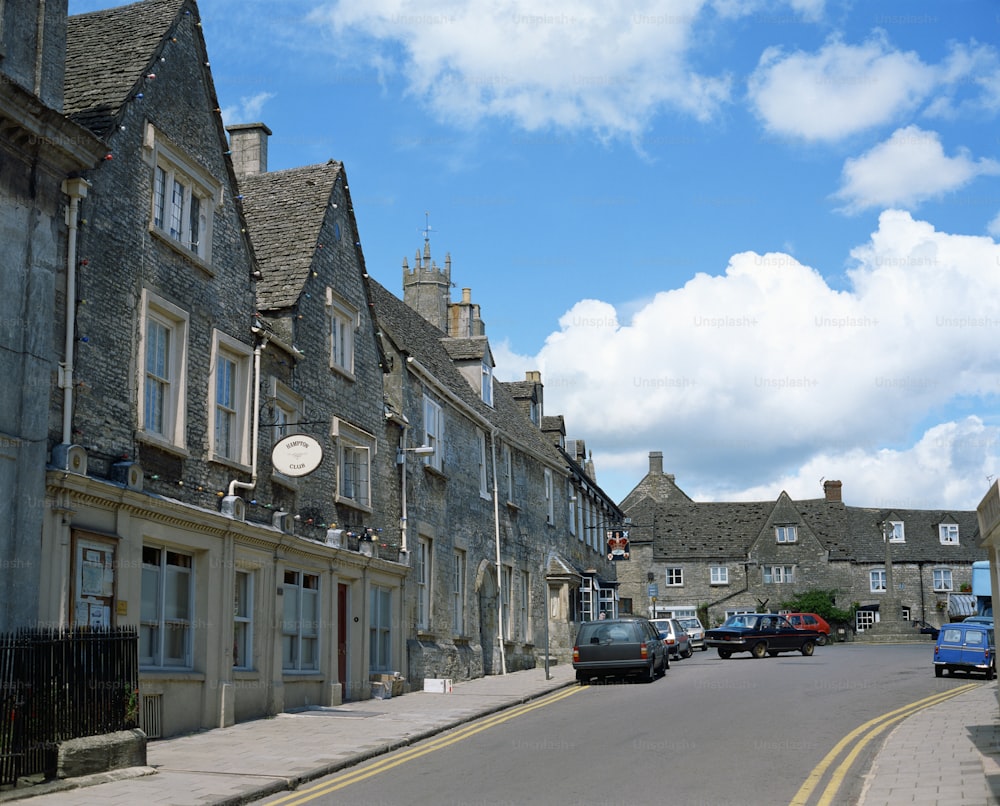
(695, 632)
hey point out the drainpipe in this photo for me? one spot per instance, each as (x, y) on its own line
(404, 428)
(496, 533)
(76, 189)
(235, 484)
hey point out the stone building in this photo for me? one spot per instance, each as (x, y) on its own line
(502, 532)
(42, 158)
(721, 558)
(322, 376)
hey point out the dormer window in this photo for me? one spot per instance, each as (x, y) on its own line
(895, 532)
(948, 533)
(786, 534)
(487, 387)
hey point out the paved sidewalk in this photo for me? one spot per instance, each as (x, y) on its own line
(255, 759)
(946, 755)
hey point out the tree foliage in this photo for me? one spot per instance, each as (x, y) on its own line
(822, 603)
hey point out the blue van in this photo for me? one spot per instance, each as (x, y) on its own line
(965, 647)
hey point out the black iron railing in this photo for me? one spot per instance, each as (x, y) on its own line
(59, 684)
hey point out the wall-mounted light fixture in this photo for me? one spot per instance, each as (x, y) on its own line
(421, 450)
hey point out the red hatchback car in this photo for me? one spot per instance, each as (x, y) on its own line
(810, 621)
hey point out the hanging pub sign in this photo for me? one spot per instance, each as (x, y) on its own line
(296, 455)
(617, 544)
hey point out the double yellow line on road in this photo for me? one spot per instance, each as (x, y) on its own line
(396, 759)
(859, 738)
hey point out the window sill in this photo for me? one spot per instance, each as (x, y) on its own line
(158, 674)
(230, 463)
(180, 249)
(513, 507)
(346, 374)
(350, 502)
(162, 444)
(305, 675)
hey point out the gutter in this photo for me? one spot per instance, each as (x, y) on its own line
(76, 189)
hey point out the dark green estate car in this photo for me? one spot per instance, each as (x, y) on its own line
(622, 646)
(760, 634)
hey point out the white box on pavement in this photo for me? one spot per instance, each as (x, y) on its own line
(438, 685)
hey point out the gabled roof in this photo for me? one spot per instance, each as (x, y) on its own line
(109, 53)
(285, 211)
(476, 348)
(415, 336)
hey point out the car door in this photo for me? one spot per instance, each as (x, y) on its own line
(785, 635)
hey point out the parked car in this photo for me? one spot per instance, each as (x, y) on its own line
(965, 647)
(695, 631)
(926, 629)
(760, 634)
(979, 620)
(623, 646)
(811, 621)
(674, 636)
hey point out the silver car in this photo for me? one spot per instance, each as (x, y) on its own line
(695, 632)
(674, 637)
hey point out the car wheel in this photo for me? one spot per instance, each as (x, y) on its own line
(807, 648)
(938, 671)
(650, 675)
(582, 677)
(821, 640)
(991, 672)
(759, 649)
(704, 647)
(687, 653)
(725, 654)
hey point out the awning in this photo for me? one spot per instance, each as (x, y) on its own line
(961, 604)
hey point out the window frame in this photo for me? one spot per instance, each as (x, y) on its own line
(356, 448)
(945, 532)
(484, 477)
(673, 576)
(423, 577)
(524, 603)
(343, 320)
(243, 621)
(433, 432)
(877, 580)
(507, 459)
(458, 583)
(898, 534)
(945, 586)
(720, 578)
(550, 509)
(506, 596)
(240, 356)
(298, 632)
(174, 408)
(200, 195)
(486, 392)
(779, 574)
(380, 636)
(156, 626)
(786, 533)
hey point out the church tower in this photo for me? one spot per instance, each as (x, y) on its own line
(427, 287)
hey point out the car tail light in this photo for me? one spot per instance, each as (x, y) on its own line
(576, 654)
(642, 651)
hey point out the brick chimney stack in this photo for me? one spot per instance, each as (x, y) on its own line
(832, 491)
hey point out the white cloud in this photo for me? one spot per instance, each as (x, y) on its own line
(248, 110)
(993, 228)
(766, 372)
(908, 168)
(572, 63)
(839, 90)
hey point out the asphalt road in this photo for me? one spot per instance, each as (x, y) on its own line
(713, 732)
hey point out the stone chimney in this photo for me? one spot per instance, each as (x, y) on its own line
(831, 490)
(248, 144)
(656, 463)
(464, 321)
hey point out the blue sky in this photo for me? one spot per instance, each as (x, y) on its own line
(760, 237)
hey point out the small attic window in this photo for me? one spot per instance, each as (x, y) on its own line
(948, 533)
(487, 387)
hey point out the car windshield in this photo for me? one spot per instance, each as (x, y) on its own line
(691, 624)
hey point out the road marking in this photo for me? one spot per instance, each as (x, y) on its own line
(400, 757)
(862, 735)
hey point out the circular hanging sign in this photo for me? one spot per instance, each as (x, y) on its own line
(297, 455)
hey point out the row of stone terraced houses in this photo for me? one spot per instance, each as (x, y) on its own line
(722, 558)
(171, 312)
